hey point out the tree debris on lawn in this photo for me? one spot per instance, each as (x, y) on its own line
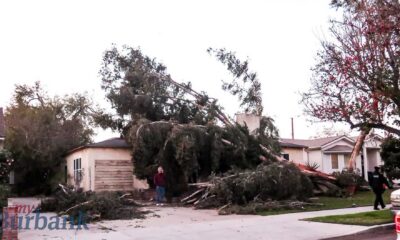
(94, 206)
(267, 186)
(324, 184)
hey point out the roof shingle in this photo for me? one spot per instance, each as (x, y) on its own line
(291, 145)
(312, 143)
(109, 143)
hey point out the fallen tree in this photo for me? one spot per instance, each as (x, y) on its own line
(184, 130)
(268, 182)
(191, 153)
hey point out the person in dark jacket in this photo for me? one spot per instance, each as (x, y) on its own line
(159, 181)
(377, 183)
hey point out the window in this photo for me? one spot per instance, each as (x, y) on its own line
(285, 156)
(346, 160)
(77, 170)
(334, 161)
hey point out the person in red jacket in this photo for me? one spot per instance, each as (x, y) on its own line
(159, 181)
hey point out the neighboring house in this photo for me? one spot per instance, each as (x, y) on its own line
(2, 129)
(294, 152)
(250, 120)
(332, 154)
(103, 166)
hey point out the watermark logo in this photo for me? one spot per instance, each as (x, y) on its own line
(26, 217)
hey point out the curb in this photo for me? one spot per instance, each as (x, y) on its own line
(373, 229)
(387, 226)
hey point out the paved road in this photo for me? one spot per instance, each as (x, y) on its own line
(184, 223)
(388, 234)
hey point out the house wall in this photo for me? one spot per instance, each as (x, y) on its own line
(374, 159)
(297, 155)
(84, 156)
(89, 156)
(315, 156)
(373, 153)
(327, 162)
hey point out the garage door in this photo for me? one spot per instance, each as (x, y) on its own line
(113, 175)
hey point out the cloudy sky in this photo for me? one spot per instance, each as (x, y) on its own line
(60, 43)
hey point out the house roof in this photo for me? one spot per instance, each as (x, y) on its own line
(109, 143)
(339, 149)
(291, 145)
(2, 124)
(311, 143)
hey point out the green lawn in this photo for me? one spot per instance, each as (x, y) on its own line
(359, 199)
(364, 219)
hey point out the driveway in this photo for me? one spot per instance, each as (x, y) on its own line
(184, 223)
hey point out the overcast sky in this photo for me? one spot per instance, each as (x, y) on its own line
(60, 43)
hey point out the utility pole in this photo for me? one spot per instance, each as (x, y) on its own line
(292, 129)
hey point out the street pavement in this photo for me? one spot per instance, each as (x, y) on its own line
(168, 223)
(377, 234)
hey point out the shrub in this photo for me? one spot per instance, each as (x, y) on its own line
(4, 194)
(393, 174)
(347, 178)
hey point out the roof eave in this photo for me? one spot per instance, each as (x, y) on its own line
(338, 139)
(336, 151)
(87, 147)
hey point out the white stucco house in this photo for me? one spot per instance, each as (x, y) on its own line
(102, 166)
(333, 153)
(330, 154)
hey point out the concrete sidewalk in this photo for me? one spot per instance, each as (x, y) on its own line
(169, 223)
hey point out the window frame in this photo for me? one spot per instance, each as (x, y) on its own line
(78, 169)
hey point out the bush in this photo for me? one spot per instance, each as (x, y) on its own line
(391, 156)
(345, 179)
(4, 194)
(393, 174)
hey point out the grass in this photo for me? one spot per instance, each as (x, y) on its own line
(358, 200)
(364, 219)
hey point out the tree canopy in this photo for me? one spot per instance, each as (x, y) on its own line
(245, 84)
(390, 153)
(139, 87)
(40, 130)
(356, 78)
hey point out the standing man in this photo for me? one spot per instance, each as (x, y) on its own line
(159, 181)
(377, 183)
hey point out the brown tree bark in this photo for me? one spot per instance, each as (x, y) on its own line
(356, 149)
